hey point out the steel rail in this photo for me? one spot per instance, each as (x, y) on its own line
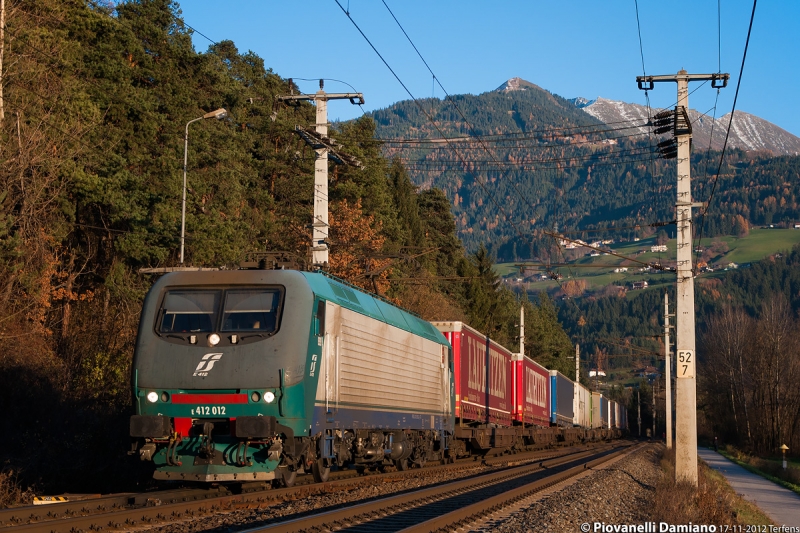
(471, 513)
(159, 507)
(364, 513)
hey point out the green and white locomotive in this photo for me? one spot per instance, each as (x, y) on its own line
(256, 375)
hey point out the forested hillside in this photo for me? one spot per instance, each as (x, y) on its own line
(636, 319)
(536, 162)
(96, 98)
(748, 345)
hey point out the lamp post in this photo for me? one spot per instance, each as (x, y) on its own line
(219, 114)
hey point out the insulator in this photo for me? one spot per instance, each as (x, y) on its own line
(663, 122)
(668, 144)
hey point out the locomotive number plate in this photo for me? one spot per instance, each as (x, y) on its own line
(204, 410)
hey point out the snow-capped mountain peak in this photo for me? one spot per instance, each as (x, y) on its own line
(748, 132)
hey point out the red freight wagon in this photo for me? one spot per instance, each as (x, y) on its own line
(482, 368)
(531, 391)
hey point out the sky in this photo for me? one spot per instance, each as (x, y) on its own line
(568, 47)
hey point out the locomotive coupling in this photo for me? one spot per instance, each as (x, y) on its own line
(147, 451)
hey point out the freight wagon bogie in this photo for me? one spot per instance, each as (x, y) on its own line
(374, 448)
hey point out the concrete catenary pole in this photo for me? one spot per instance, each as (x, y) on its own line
(319, 232)
(576, 399)
(668, 372)
(524, 398)
(2, 50)
(686, 387)
(639, 411)
(655, 382)
(522, 331)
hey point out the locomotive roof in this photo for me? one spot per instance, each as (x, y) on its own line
(375, 307)
(321, 285)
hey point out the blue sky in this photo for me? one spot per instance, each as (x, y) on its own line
(571, 48)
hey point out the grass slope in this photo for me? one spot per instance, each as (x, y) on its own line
(598, 272)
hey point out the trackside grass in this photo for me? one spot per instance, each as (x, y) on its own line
(712, 502)
(11, 493)
(766, 468)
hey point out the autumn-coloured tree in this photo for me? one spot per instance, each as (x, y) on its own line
(356, 245)
(574, 287)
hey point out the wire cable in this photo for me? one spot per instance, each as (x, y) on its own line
(730, 121)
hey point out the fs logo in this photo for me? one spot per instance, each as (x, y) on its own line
(206, 364)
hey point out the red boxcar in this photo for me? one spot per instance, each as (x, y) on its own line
(531, 391)
(483, 375)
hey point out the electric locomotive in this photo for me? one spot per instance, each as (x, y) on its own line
(256, 375)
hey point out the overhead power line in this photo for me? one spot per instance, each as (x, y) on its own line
(733, 110)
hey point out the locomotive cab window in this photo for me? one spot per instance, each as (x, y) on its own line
(189, 311)
(251, 310)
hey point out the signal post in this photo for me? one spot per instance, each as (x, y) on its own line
(680, 147)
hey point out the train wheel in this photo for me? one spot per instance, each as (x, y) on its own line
(320, 471)
(401, 464)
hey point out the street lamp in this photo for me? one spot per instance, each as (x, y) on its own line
(219, 114)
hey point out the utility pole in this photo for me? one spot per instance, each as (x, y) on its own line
(639, 411)
(2, 51)
(322, 146)
(521, 357)
(668, 371)
(680, 147)
(655, 382)
(576, 398)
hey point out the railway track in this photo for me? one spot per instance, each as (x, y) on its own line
(449, 506)
(126, 511)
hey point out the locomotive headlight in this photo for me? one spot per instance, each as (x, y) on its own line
(255, 396)
(269, 396)
(213, 339)
(152, 396)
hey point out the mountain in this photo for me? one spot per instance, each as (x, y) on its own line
(518, 161)
(749, 132)
(517, 84)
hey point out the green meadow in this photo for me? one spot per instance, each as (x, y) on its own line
(598, 271)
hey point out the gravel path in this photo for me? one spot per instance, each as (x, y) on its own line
(620, 493)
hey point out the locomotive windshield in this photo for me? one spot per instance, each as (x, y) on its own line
(250, 310)
(189, 311)
(198, 311)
